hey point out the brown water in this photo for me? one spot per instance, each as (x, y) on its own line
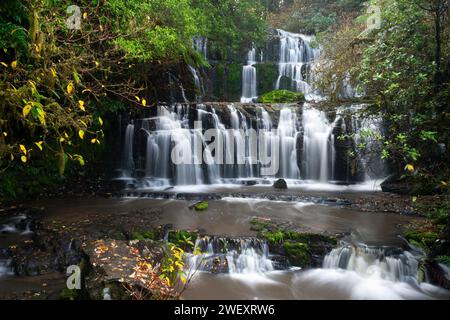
(232, 216)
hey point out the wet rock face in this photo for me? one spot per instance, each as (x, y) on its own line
(280, 184)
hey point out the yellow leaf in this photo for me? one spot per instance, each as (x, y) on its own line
(61, 139)
(85, 15)
(26, 110)
(79, 159)
(66, 135)
(93, 141)
(138, 99)
(144, 102)
(5, 134)
(23, 158)
(12, 157)
(81, 105)
(23, 149)
(53, 72)
(81, 134)
(70, 88)
(409, 167)
(41, 115)
(100, 120)
(39, 144)
(97, 64)
(14, 64)
(4, 64)
(444, 183)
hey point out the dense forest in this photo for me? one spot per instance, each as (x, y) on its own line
(63, 88)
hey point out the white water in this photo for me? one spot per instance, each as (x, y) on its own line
(295, 64)
(249, 91)
(318, 144)
(303, 150)
(349, 272)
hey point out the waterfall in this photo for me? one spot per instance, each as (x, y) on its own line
(199, 90)
(318, 149)
(287, 132)
(200, 44)
(298, 143)
(382, 263)
(295, 62)
(234, 256)
(128, 161)
(249, 91)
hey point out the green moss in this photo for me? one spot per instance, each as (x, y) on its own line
(258, 224)
(444, 260)
(421, 238)
(279, 236)
(297, 253)
(282, 96)
(201, 206)
(274, 237)
(150, 234)
(266, 73)
(68, 294)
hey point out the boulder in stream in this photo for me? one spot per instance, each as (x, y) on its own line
(280, 184)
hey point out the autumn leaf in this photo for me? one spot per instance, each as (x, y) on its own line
(81, 105)
(39, 144)
(70, 88)
(53, 72)
(23, 149)
(14, 64)
(100, 120)
(144, 102)
(4, 64)
(24, 159)
(409, 167)
(138, 99)
(81, 134)
(26, 110)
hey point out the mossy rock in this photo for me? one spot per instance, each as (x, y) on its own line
(149, 234)
(297, 253)
(282, 96)
(421, 238)
(201, 206)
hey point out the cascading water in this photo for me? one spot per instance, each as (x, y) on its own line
(200, 91)
(301, 143)
(396, 266)
(295, 64)
(249, 91)
(234, 256)
(318, 148)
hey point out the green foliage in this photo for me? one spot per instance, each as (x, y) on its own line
(149, 234)
(282, 96)
(201, 206)
(183, 239)
(312, 16)
(231, 26)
